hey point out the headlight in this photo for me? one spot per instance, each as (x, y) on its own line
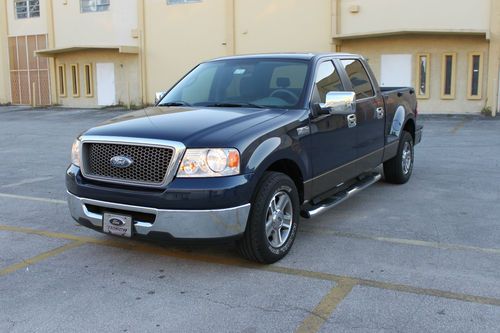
(75, 152)
(210, 163)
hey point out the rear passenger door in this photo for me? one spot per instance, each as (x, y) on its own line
(370, 114)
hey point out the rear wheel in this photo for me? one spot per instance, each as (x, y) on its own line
(272, 225)
(398, 169)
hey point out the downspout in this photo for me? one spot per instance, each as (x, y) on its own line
(5, 64)
(142, 51)
(230, 27)
(51, 38)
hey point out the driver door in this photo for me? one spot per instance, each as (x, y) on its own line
(333, 142)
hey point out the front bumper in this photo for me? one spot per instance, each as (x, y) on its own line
(184, 224)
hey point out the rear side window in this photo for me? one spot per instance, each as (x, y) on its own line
(327, 79)
(359, 78)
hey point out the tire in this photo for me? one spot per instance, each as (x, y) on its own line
(261, 241)
(398, 169)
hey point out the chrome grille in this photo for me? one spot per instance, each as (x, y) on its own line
(149, 167)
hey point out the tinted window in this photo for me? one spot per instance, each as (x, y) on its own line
(359, 78)
(259, 82)
(327, 79)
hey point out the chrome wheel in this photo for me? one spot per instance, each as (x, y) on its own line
(406, 158)
(279, 219)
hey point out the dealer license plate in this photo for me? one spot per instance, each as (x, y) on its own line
(116, 224)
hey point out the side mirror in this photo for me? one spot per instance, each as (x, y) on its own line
(159, 95)
(339, 102)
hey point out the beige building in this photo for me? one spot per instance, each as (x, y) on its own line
(89, 53)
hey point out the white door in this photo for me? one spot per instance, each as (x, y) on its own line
(105, 76)
(395, 70)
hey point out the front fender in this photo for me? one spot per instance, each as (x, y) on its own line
(275, 149)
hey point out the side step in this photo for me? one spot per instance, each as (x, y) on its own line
(341, 196)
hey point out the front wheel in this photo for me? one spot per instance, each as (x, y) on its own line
(272, 225)
(398, 169)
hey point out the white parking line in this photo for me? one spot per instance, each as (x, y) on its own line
(403, 241)
(27, 181)
(25, 197)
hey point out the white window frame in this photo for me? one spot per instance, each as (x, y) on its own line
(32, 8)
(94, 6)
(181, 2)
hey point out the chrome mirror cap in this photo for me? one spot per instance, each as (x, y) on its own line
(159, 95)
(339, 102)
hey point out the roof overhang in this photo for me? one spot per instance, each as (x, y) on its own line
(70, 49)
(372, 34)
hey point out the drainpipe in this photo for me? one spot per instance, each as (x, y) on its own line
(4, 65)
(142, 50)
(230, 42)
(51, 39)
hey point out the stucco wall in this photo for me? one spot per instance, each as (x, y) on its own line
(126, 77)
(283, 26)
(373, 48)
(112, 27)
(421, 15)
(180, 36)
(27, 26)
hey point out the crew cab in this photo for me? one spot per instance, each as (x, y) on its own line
(241, 148)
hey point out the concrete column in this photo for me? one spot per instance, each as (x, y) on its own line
(230, 27)
(4, 55)
(494, 58)
(335, 26)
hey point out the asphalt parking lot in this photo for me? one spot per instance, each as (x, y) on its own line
(422, 257)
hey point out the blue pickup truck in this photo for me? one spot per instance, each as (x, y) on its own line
(241, 148)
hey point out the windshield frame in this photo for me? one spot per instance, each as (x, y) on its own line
(301, 103)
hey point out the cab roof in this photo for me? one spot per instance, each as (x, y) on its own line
(291, 56)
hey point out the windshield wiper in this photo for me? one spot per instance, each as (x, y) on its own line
(178, 103)
(234, 105)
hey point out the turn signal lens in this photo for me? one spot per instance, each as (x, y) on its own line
(234, 159)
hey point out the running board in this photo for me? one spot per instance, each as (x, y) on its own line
(333, 201)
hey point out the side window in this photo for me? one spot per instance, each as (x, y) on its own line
(359, 78)
(327, 79)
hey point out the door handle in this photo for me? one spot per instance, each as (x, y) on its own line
(351, 120)
(380, 113)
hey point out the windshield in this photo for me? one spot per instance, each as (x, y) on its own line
(260, 83)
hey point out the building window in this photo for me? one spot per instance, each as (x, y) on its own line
(89, 80)
(423, 75)
(87, 6)
(27, 8)
(449, 64)
(75, 81)
(475, 75)
(177, 2)
(61, 79)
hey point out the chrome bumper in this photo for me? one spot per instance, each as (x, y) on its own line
(217, 223)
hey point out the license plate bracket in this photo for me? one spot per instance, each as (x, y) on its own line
(117, 224)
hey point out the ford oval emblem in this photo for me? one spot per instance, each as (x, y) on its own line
(121, 162)
(117, 222)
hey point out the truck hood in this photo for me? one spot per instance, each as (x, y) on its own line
(194, 127)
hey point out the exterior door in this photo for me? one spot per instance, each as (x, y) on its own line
(395, 70)
(370, 121)
(105, 77)
(333, 142)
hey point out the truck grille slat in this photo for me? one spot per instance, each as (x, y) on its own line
(149, 166)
